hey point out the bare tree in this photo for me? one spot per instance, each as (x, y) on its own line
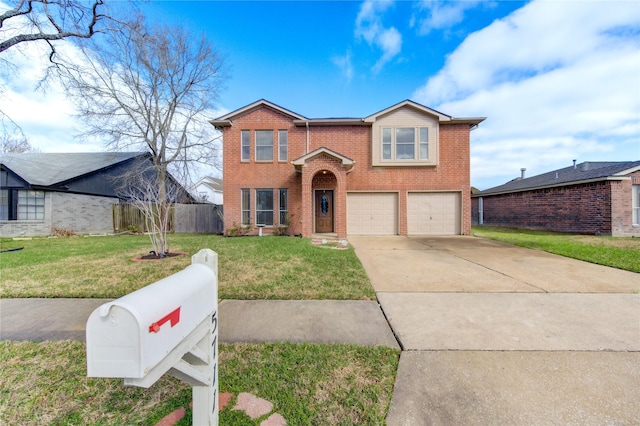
(152, 89)
(50, 20)
(140, 187)
(12, 139)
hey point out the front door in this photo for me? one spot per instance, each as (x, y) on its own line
(324, 211)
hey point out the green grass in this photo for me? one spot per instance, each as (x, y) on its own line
(249, 267)
(46, 383)
(617, 252)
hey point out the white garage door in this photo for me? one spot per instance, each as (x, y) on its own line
(435, 213)
(372, 213)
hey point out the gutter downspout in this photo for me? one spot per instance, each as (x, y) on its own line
(307, 147)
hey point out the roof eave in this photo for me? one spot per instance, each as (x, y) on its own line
(316, 122)
(557, 185)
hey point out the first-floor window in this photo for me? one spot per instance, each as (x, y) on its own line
(636, 204)
(30, 205)
(283, 207)
(246, 207)
(264, 207)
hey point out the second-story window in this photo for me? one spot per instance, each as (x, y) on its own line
(264, 145)
(405, 143)
(283, 145)
(245, 150)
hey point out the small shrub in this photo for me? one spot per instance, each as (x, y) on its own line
(134, 229)
(56, 232)
(238, 230)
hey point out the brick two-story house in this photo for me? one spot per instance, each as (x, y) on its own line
(403, 170)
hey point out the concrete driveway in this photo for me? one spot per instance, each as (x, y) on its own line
(497, 334)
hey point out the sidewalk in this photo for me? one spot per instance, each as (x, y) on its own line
(315, 321)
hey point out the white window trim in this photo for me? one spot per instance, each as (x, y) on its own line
(242, 133)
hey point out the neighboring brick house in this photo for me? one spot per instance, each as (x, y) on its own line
(601, 198)
(403, 170)
(40, 192)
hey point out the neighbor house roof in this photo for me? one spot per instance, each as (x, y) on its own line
(589, 171)
(299, 120)
(49, 169)
(215, 184)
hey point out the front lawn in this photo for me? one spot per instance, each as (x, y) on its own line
(249, 267)
(617, 252)
(46, 383)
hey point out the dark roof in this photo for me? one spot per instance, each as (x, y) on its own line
(587, 171)
(300, 120)
(47, 169)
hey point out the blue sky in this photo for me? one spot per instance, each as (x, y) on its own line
(557, 80)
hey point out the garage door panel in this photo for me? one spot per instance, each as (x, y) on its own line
(433, 213)
(372, 213)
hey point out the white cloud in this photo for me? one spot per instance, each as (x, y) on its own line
(441, 15)
(369, 27)
(345, 64)
(557, 81)
(44, 114)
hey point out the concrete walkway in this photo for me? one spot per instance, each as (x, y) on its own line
(314, 321)
(496, 334)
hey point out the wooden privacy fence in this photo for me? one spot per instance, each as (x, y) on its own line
(184, 219)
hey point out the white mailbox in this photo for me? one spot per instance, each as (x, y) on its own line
(170, 326)
(129, 336)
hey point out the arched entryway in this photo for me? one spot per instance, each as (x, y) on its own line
(323, 185)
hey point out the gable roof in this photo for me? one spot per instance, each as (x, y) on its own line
(442, 118)
(48, 169)
(589, 171)
(227, 119)
(347, 162)
(299, 120)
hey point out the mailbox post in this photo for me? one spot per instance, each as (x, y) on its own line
(170, 326)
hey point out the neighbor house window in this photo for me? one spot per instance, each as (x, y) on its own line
(283, 207)
(245, 151)
(264, 207)
(4, 204)
(246, 207)
(405, 143)
(283, 145)
(636, 204)
(30, 205)
(264, 145)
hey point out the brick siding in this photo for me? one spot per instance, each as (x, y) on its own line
(82, 214)
(354, 142)
(598, 208)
